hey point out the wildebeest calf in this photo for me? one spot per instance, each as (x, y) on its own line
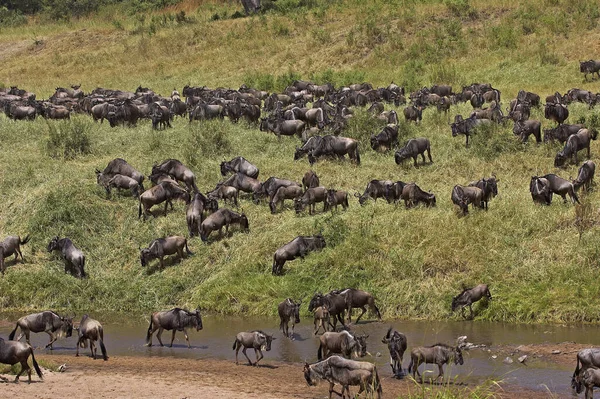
(91, 330)
(470, 296)
(288, 310)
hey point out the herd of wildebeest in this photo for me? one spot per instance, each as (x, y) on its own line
(320, 128)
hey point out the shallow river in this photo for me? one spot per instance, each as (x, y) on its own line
(126, 337)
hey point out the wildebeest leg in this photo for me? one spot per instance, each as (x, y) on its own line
(471, 310)
(160, 331)
(187, 339)
(93, 349)
(77, 348)
(24, 367)
(331, 390)
(245, 354)
(18, 250)
(428, 154)
(364, 310)
(258, 359)
(173, 337)
(423, 156)
(293, 325)
(415, 159)
(52, 339)
(166, 204)
(441, 374)
(462, 312)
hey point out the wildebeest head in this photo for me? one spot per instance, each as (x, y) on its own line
(295, 312)
(308, 375)
(244, 221)
(225, 168)
(298, 205)
(67, 325)
(145, 256)
(315, 302)
(458, 358)
(53, 244)
(560, 159)
(362, 343)
(268, 340)
(196, 319)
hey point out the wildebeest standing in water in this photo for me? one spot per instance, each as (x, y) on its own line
(73, 257)
(396, 342)
(439, 354)
(17, 352)
(48, 322)
(11, 245)
(586, 358)
(358, 299)
(91, 330)
(343, 343)
(321, 319)
(585, 175)
(175, 319)
(258, 340)
(298, 247)
(335, 303)
(470, 296)
(288, 311)
(161, 247)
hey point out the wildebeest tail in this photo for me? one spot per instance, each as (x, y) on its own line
(149, 334)
(187, 249)
(234, 344)
(377, 383)
(25, 240)
(377, 311)
(140, 209)
(410, 366)
(357, 156)
(35, 364)
(101, 342)
(12, 334)
(320, 352)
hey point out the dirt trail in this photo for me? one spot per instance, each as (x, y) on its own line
(158, 377)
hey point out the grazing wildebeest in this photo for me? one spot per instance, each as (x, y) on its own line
(194, 214)
(11, 245)
(119, 166)
(589, 67)
(283, 127)
(587, 358)
(220, 218)
(122, 182)
(175, 319)
(239, 164)
(342, 342)
(493, 113)
(589, 379)
(561, 132)
(539, 188)
(310, 198)
(386, 139)
(251, 6)
(73, 257)
(469, 296)
(358, 299)
(375, 189)
(179, 171)
(412, 148)
(310, 180)
(556, 112)
(525, 128)
(298, 247)
(246, 184)
(335, 198)
(18, 352)
(463, 196)
(334, 146)
(412, 113)
(585, 176)
(337, 370)
(466, 126)
(258, 340)
(489, 187)
(335, 303)
(270, 187)
(560, 186)
(439, 354)
(577, 142)
(163, 192)
(226, 193)
(283, 193)
(321, 319)
(288, 310)
(413, 195)
(48, 322)
(91, 330)
(161, 247)
(397, 343)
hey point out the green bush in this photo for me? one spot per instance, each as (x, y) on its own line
(11, 17)
(69, 139)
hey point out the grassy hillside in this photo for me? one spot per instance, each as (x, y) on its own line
(412, 261)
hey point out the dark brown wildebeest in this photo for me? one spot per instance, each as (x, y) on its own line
(441, 90)
(220, 218)
(413, 195)
(586, 358)
(556, 112)
(283, 193)
(19, 112)
(288, 311)
(585, 176)
(412, 113)
(493, 113)
(283, 127)
(122, 182)
(321, 319)
(412, 148)
(160, 116)
(119, 166)
(18, 352)
(161, 247)
(48, 322)
(469, 296)
(439, 354)
(337, 370)
(589, 67)
(73, 257)
(244, 183)
(311, 197)
(375, 189)
(226, 193)
(358, 299)
(335, 303)
(163, 192)
(333, 146)
(539, 187)
(179, 171)
(588, 378)
(466, 126)
(394, 192)
(397, 343)
(560, 186)
(175, 319)
(343, 343)
(239, 164)
(11, 245)
(270, 187)
(310, 180)
(56, 112)
(463, 196)
(194, 214)
(100, 111)
(577, 142)
(91, 330)
(561, 132)
(299, 247)
(519, 110)
(525, 128)
(335, 198)
(386, 139)
(258, 340)
(489, 187)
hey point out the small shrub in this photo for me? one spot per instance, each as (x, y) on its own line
(11, 17)
(461, 8)
(68, 139)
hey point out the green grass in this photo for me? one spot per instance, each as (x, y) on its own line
(412, 261)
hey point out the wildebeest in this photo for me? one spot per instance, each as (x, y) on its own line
(311, 197)
(73, 257)
(239, 164)
(270, 187)
(119, 166)
(394, 191)
(586, 358)
(561, 132)
(175, 319)
(335, 198)
(19, 112)
(489, 188)
(310, 180)
(91, 330)
(466, 126)
(463, 196)
(123, 182)
(560, 186)
(412, 113)
(299, 247)
(397, 343)
(335, 303)
(220, 218)
(413, 195)
(525, 128)
(334, 146)
(163, 192)
(161, 247)
(258, 340)
(577, 142)
(386, 139)
(439, 354)
(283, 193)
(358, 299)
(469, 296)
(589, 379)
(49, 322)
(493, 112)
(288, 310)
(337, 370)
(246, 184)
(585, 176)
(194, 214)
(160, 116)
(18, 352)
(343, 343)
(179, 171)
(283, 127)
(556, 112)
(11, 245)
(375, 189)
(589, 67)
(226, 193)
(100, 111)
(539, 187)
(204, 111)
(321, 319)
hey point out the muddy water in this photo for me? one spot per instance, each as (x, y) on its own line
(126, 337)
